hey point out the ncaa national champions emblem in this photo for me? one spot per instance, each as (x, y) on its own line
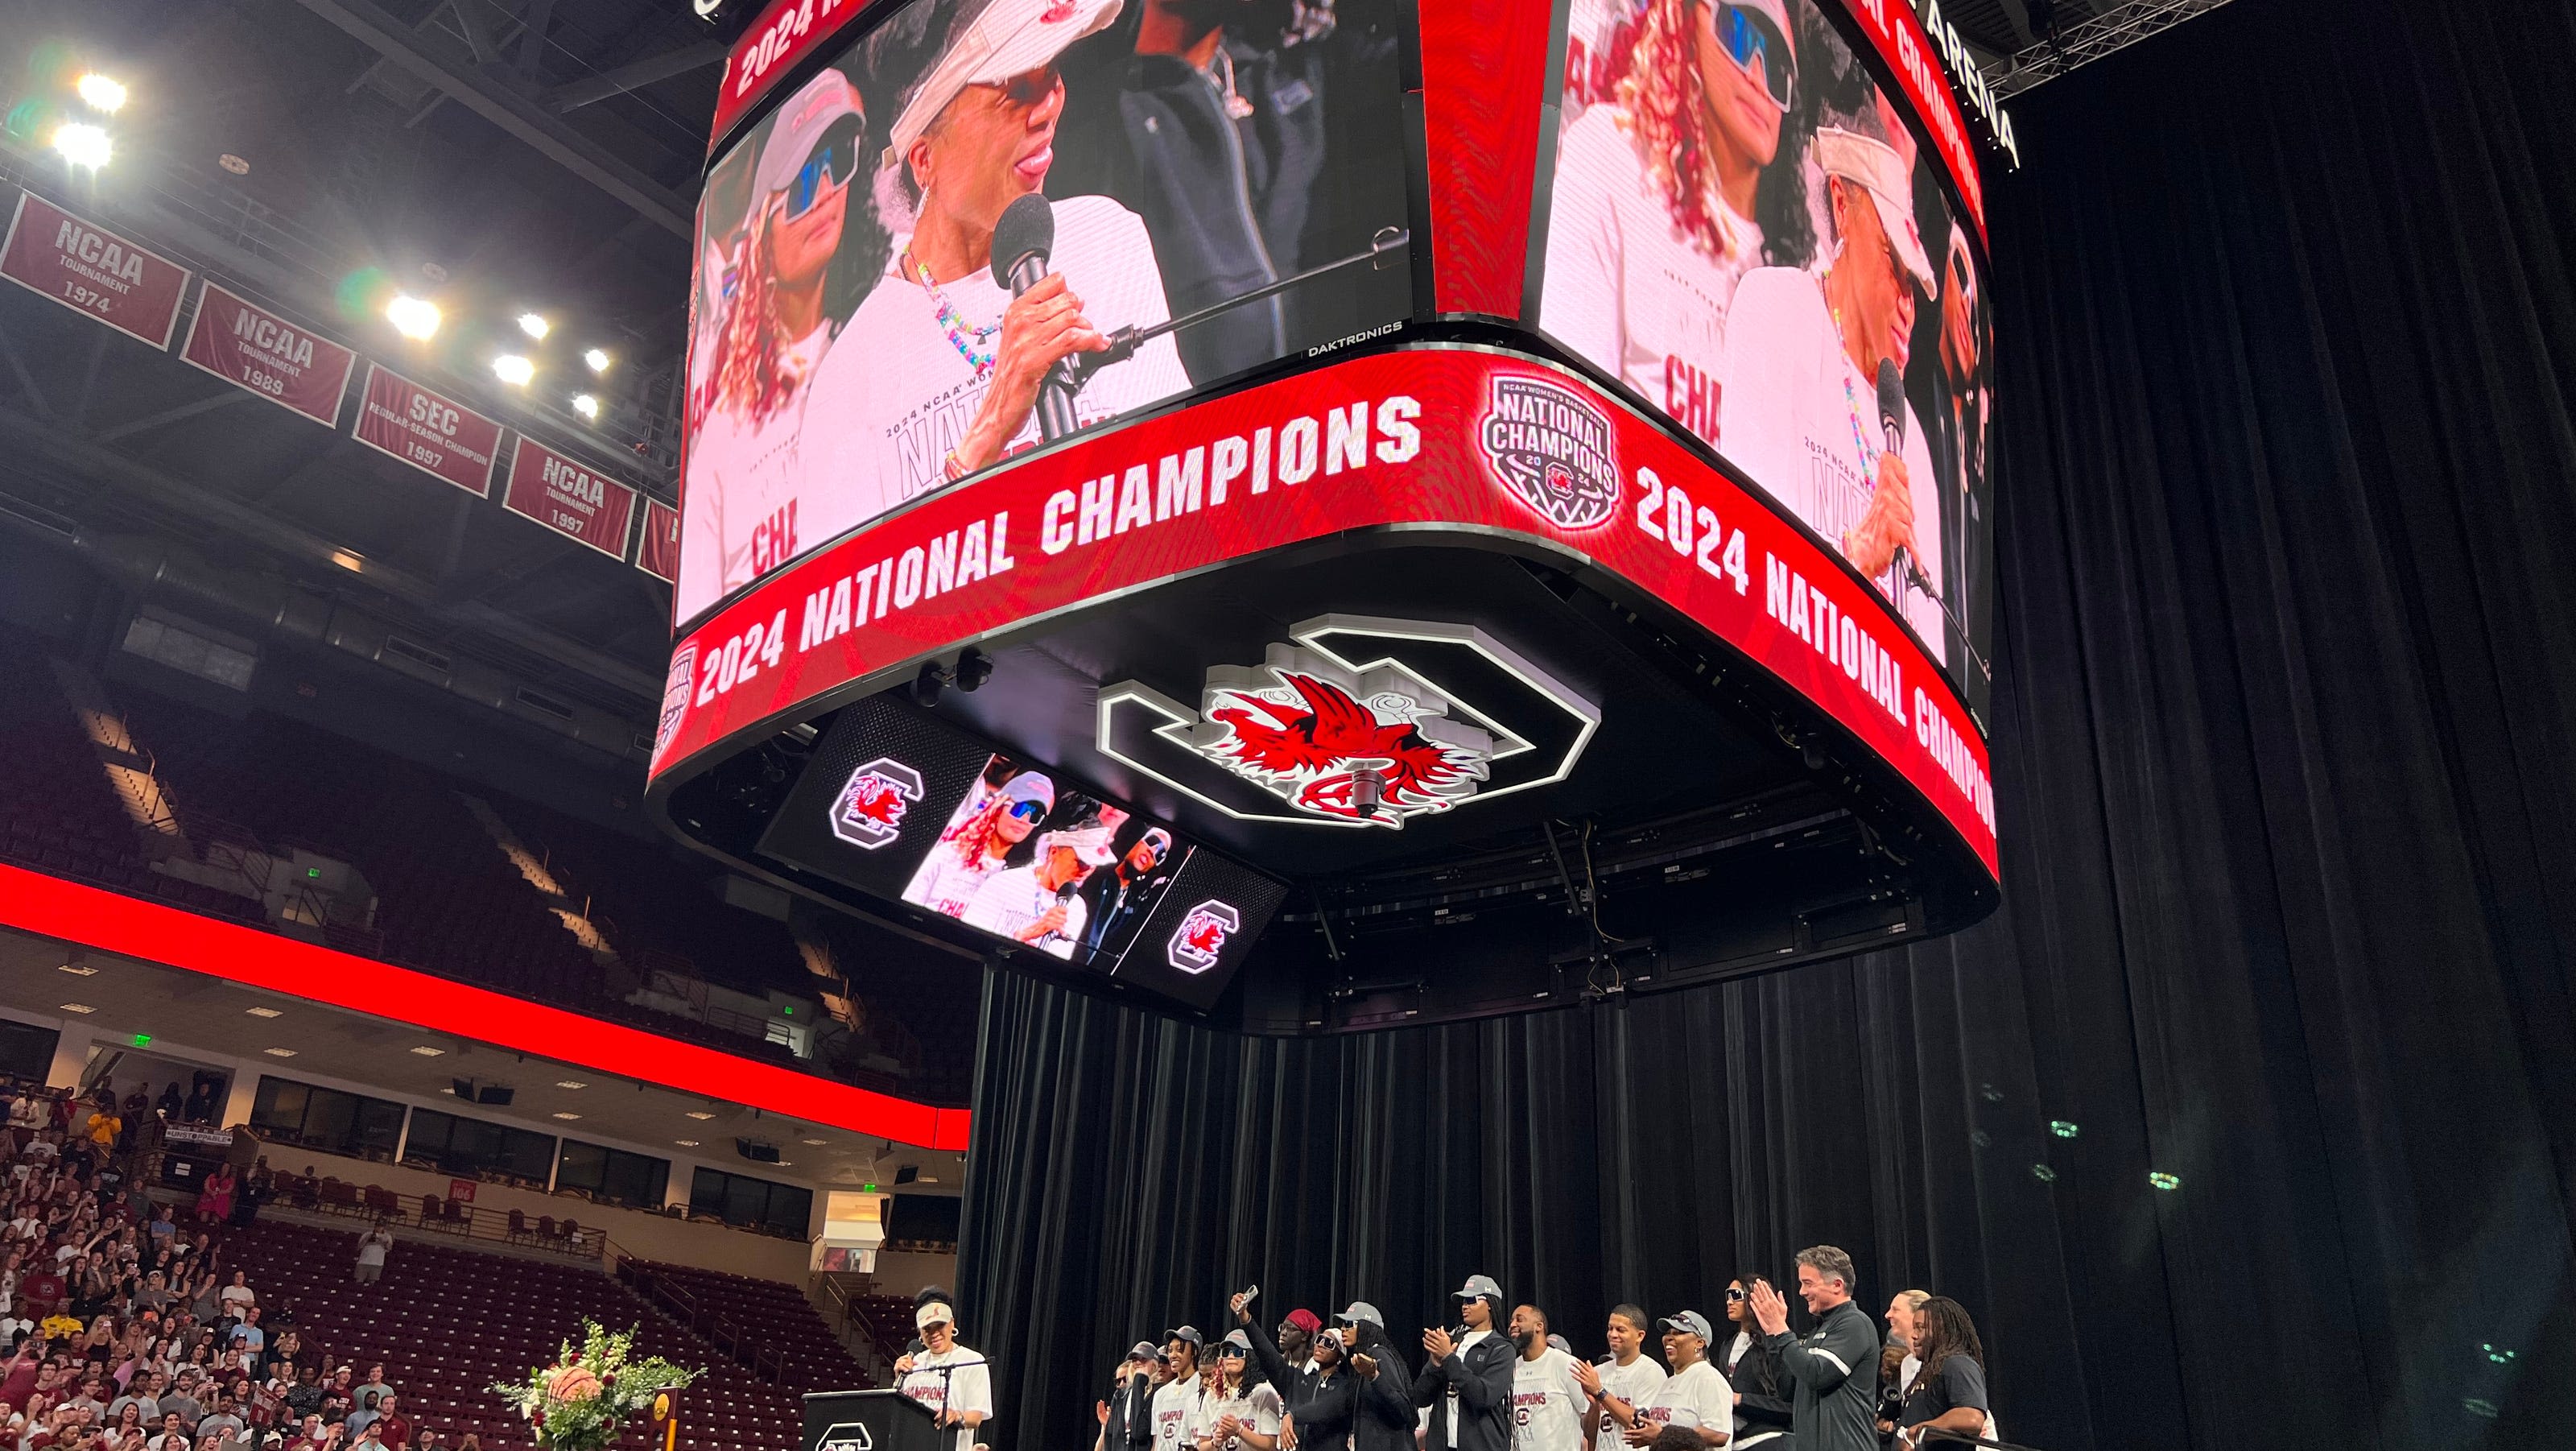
(1200, 939)
(675, 696)
(1551, 448)
(869, 811)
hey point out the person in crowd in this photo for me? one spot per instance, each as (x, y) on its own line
(1297, 1348)
(1181, 1402)
(1830, 1408)
(1251, 153)
(1245, 1410)
(1752, 1371)
(222, 1419)
(948, 383)
(1466, 1381)
(1799, 405)
(1383, 1416)
(237, 1296)
(1548, 1399)
(1322, 1422)
(1962, 399)
(203, 1103)
(1694, 1395)
(1949, 1392)
(391, 1425)
(370, 1394)
(373, 1247)
(171, 1103)
(1664, 202)
(953, 1382)
(1615, 1388)
(1127, 1417)
(174, 1434)
(994, 819)
(747, 484)
(1897, 1361)
(1120, 899)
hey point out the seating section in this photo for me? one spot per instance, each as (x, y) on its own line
(781, 1316)
(889, 1318)
(448, 1323)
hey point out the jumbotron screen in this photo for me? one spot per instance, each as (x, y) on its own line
(851, 344)
(1742, 229)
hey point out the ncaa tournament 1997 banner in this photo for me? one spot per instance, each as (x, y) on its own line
(92, 270)
(658, 552)
(259, 352)
(569, 498)
(1425, 438)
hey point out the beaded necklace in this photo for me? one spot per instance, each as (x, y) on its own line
(1851, 401)
(978, 353)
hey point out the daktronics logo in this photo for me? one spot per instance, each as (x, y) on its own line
(1551, 448)
(1200, 939)
(869, 811)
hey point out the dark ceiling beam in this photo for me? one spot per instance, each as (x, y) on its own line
(478, 35)
(515, 114)
(532, 38)
(167, 416)
(634, 75)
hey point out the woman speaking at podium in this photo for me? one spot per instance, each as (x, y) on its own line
(947, 1379)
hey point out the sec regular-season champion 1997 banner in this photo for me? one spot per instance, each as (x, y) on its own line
(1421, 438)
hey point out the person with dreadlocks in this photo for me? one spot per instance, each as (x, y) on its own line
(1653, 217)
(1005, 805)
(739, 500)
(1949, 1392)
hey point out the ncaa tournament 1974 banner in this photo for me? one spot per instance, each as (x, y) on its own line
(90, 269)
(259, 352)
(570, 498)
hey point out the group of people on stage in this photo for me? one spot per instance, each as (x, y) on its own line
(1737, 229)
(851, 347)
(1499, 1380)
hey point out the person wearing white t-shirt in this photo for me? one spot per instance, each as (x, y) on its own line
(950, 1381)
(748, 504)
(1182, 1406)
(1039, 904)
(1244, 1413)
(946, 379)
(1695, 1395)
(1651, 217)
(1547, 1400)
(1616, 1388)
(978, 837)
(1799, 403)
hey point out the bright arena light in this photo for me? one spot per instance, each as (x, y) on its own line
(514, 369)
(534, 324)
(586, 406)
(598, 360)
(413, 317)
(102, 93)
(83, 144)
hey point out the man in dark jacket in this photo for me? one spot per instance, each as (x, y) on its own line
(1467, 1381)
(1835, 1365)
(1127, 1417)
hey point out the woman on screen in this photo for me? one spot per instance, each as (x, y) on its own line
(745, 459)
(995, 817)
(1663, 201)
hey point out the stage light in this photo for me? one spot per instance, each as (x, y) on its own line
(83, 144)
(2062, 1128)
(101, 93)
(426, 1051)
(413, 317)
(814, 1141)
(2043, 1173)
(534, 324)
(696, 1114)
(279, 1052)
(2166, 1182)
(78, 969)
(686, 1143)
(570, 1083)
(513, 369)
(263, 1012)
(586, 406)
(598, 360)
(568, 1117)
(83, 1009)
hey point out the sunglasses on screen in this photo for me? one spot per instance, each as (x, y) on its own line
(1029, 810)
(832, 164)
(1751, 40)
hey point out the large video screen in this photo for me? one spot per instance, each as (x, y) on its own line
(904, 806)
(1742, 229)
(851, 344)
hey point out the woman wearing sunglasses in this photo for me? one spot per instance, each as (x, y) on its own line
(1654, 207)
(995, 817)
(740, 505)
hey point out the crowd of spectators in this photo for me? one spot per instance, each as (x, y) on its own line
(124, 1330)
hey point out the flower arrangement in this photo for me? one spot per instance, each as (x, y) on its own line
(580, 1401)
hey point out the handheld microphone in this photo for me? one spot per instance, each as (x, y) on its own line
(1023, 242)
(1891, 417)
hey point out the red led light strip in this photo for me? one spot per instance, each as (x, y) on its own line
(112, 922)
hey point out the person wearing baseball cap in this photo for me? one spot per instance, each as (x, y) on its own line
(1467, 1379)
(1127, 1417)
(1120, 899)
(1182, 1406)
(950, 1381)
(1801, 404)
(1246, 1409)
(1663, 201)
(1323, 1419)
(947, 382)
(1695, 1395)
(1041, 903)
(743, 504)
(994, 818)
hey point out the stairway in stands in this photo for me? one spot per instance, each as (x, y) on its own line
(447, 1323)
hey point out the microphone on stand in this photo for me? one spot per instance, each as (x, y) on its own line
(1023, 242)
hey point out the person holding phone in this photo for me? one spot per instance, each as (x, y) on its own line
(1323, 1421)
(1127, 1417)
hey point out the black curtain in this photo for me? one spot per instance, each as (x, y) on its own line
(2250, 1121)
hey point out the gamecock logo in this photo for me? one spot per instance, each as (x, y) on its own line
(1373, 747)
(870, 809)
(1200, 939)
(846, 1436)
(1550, 446)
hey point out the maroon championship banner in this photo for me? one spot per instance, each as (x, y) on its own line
(1900, 40)
(569, 498)
(256, 350)
(659, 553)
(1419, 439)
(429, 431)
(784, 34)
(90, 269)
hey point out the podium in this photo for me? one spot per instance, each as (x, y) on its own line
(883, 1420)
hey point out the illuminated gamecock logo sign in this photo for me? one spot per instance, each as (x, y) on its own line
(869, 811)
(1200, 939)
(1357, 722)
